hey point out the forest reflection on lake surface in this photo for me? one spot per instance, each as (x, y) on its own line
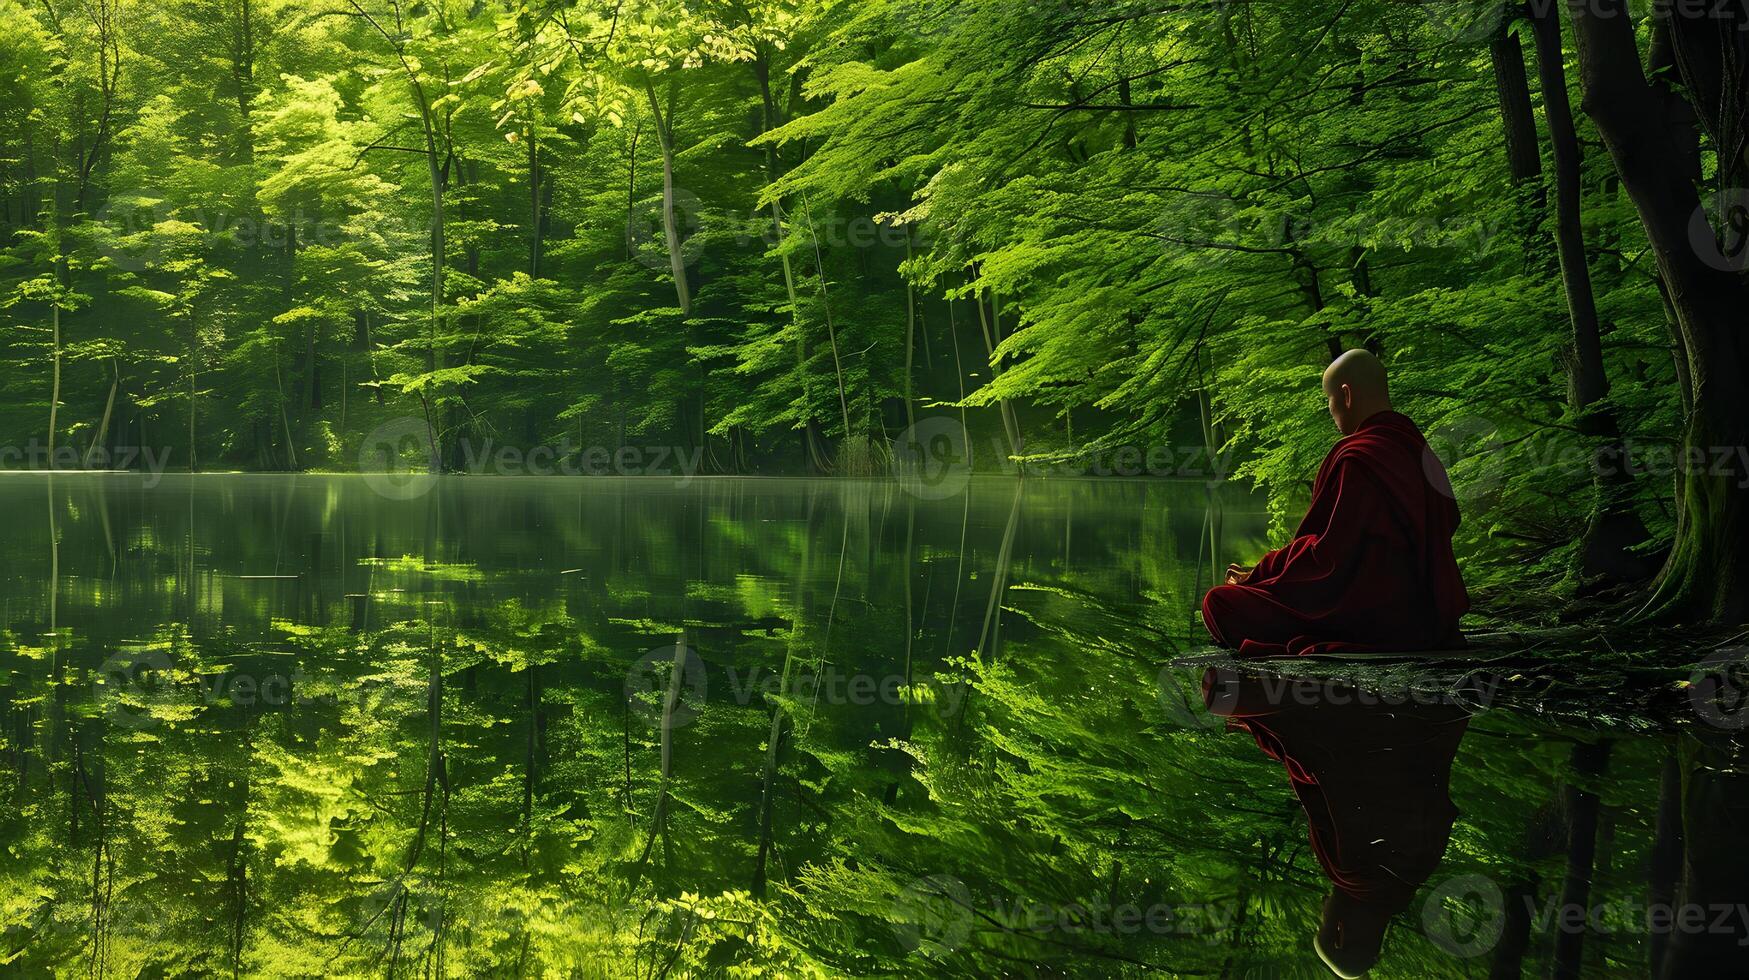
(290, 725)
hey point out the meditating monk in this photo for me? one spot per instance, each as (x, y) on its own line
(1370, 567)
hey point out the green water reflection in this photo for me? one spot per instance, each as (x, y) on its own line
(295, 726)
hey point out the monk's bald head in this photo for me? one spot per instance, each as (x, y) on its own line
(1355, 386)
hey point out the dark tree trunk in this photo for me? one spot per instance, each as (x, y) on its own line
(1707, 573)
(1523, 158)
(1715, 866)
(1666, 857)
(1614, 531)
(1523, 155)
(1582, 806)
(1541, 840)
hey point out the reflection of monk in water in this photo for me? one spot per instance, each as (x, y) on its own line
(1370, 566)
(1375, 783)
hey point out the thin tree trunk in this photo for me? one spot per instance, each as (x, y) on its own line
(1518, 124)
(768, 122)
(534, 202)
(1613, 531)
(193, 347)
(1010, 424)
(437, 247)
(670, 229)
(959, 371)
(1589, 761)
(826, 307)
(291, 452)
(437, 171)
(779, 718)
(632, 191)
(55, 387)
(910, 335)
(312, 379)
(1665, 866)
(100, 439)
(670, 700)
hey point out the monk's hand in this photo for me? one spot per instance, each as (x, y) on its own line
(1237, 574)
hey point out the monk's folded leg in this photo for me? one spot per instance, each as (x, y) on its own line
(1236, 613)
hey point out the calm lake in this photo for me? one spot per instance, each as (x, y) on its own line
(331, 726)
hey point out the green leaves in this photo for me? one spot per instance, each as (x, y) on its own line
(441, 379)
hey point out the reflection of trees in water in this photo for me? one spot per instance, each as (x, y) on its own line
(457, 778)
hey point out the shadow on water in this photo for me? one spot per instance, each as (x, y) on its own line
(301, 725)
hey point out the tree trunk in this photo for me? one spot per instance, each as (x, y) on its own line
(910, 336)
(1715, 867)
(55, 385)
(1589, 760)
(768, 122)
(1665, 865)
(670, 229)
(826, 307)
(1707, 573)
(1613, 530)
(102, 436)
(1010, 424)
(534, 202)
(632, 192)
(291, 452)
(193, 379)
(1523, 157)
(436, 172)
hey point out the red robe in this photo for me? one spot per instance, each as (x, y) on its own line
(1370, 567)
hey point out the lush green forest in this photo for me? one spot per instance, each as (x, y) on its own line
(778, 236)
